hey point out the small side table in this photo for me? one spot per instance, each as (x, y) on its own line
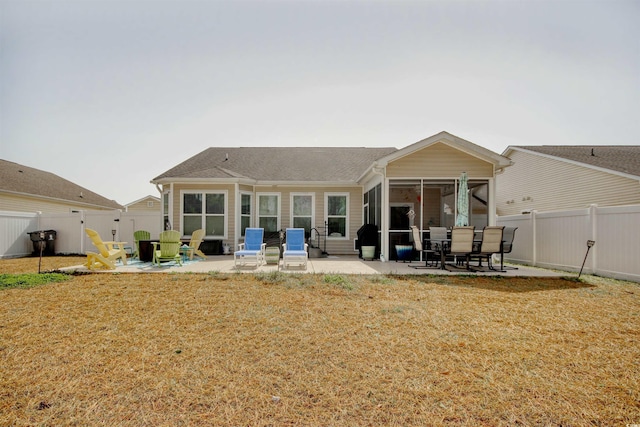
(129, 251)
(184, 251)
(272, 255)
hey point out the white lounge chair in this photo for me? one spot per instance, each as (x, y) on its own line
(295, 249)
(252, 250)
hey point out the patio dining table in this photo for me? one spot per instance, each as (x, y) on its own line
(476, 248)
(439, 245)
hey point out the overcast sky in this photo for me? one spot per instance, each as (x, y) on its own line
(111, 93)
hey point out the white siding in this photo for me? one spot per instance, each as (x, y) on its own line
(342, 246)
(439, 161)
(544, 184)
(334, 246)
(148, 204)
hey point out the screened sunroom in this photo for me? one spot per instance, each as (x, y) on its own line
(432, 203)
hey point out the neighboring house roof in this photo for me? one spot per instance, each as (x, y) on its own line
(143, 199)
(619, 159)
(23, 180)
(277, 164)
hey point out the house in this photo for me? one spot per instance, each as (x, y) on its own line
(25, 189)
(330, 192)
(147, 204)
(552, 177)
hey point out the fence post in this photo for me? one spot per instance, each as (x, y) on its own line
(82, 233)
(534, 237)
(593, 220)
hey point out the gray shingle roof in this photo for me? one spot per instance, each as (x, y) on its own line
(22, 179)
(299, 164)
(619, 158)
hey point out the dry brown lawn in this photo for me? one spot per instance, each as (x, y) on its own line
(317, 350)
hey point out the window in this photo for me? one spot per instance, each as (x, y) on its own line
(204, 210)
(245, 212)
(336, 213)
(269, 212)
(371, 206)
(302, 211)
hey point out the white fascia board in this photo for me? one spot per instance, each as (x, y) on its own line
(166, 181)
(306, 184)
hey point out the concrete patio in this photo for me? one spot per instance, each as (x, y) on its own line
(343, 264)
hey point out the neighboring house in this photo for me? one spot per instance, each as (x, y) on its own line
(147, 204)
(25, 189)
(552, 177)
(331, 192)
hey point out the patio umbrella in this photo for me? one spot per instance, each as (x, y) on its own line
(463, 201)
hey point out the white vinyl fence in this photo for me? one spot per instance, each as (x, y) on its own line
(558, 240)
(69, 228)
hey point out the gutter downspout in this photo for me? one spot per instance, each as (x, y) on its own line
(238, 220)
(170, 210)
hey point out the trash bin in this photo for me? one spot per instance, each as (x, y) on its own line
(44, 240)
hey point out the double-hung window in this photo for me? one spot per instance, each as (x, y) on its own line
(204, 210)
(302, 211)
(269, 212)
(336, 205)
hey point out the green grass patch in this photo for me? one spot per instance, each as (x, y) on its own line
(382, 280)
(271, 278)
(30, 280)
(338, 280)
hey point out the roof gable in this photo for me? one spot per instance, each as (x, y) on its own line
(618, 159)
(439, 160)
(453, 141)
(20, 179)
